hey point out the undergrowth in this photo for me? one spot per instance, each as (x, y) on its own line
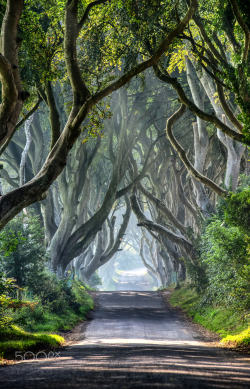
(14, 339)
(231, 325)
(29, 326)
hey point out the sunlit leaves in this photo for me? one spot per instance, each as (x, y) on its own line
(118, 35)
(42, 36)
(94, 125)
(177, 59)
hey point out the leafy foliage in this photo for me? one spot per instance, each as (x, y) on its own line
(53, 304)
(242, 339)
(60, 305)
(42, 37)
(224, 255)
(14, 338)
(222, 273)
(7, 286)
(237, 211)
(22, 251)
(225, 321)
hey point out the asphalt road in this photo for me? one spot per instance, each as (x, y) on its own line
(134, 341)
(133, 280)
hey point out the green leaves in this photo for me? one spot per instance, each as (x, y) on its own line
(42, 37)
(224, 255)
(7, 287)
(237, 210)
(22, 252)
(10, 242)
(223, 271)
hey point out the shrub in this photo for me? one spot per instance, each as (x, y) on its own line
(222, 270)
(237, 210)
(54, 304)
(224, 254)
(81, 296)
(7, 286)
(241, 339)
(22, 252)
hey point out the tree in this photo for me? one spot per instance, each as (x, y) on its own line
(83, 101)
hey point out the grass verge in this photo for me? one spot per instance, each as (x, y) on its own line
(14, 339)
(29, 328)
(232, 326)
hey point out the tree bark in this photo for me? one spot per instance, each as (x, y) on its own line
(181, 152)
(201, 141)
(12, 94)
(235, 150)
(24, 156)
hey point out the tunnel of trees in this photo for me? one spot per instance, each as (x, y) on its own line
(124, 125)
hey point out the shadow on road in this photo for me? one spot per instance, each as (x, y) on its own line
(132, 366)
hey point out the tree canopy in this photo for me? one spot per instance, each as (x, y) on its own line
(107, 105)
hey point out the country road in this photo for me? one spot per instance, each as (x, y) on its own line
(134, 341)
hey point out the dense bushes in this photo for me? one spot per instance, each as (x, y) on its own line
(223, 270)
(237, 210)
(218, 296)
(22, 252)
(30, 295)
(7, 286)
(224, 257)
(232, 327)
(59, 306)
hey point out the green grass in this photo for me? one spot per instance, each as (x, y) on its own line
(52, 322)
(27, 326)
(41, 318)
(31, 327)
(13, 338)
(241, 339)
(232, 326)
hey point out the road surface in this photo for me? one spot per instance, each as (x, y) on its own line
(133, 280)
(134, 341)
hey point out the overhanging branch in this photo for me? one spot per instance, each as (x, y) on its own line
(198, 112)
(182, 154)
